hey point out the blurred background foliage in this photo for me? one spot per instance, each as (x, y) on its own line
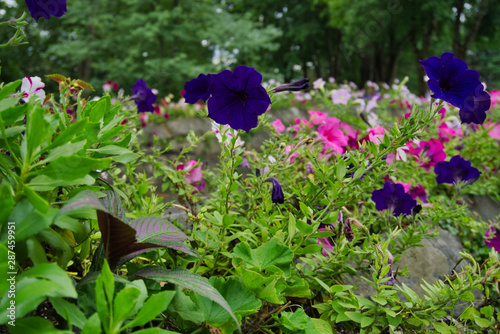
(167, 42)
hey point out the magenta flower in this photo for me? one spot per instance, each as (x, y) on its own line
(325, 242)
(32, 86)
(143, 96)
(428, 153)
(419, 192)
(376, 134)
(455, 171)
(492, 237)
(332, 136)
(393, 198)
(495, 97)
(278, 126)
(193, 174)
(445, 132)
(46, 8)
(317, 117)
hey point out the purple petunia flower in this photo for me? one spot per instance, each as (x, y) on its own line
(238, 98)
(143, 96)
(277, 195)
(455, 171)
(46, 8)
(198, 89)
(393, 198)
(452, 81)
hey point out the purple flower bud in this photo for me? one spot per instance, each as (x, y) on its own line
(302, 84)
(347, 230)
(143, 96)
(309, 168)
(277, 195)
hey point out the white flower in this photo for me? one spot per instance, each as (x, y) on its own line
(319, 84)
(32, 86)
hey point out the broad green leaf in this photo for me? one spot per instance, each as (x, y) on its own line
(36, 200)
(28, 220)
(155, 330)
(270, 256)
(441, 327)
(35, 285)
(241, 301)
(111, 149)
(482, 322)
(36, 252)
(45, 183)
(124, 304)
(366, 321)
(9, 88)
(35, 325)
(73, 167)
(321, 326)
(63, 251)
(155, 304)
(96, 110)
(12, 114)
(304, 228)
(297, 288)
(69, 311)
(187, 280)
(12, 132)
(93, 325)
(354, 316)
(68, 134)
(340, 170)
(63, 151)
(6, 202)
(37, 130)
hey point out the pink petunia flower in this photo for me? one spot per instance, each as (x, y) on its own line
(376, 134)
(32, 86)
(419, 192)
(492, 237)
(278, 126)
(293, 156)
(319, 84)
(317, 117)
(193, 174)
(445, 132)
(332, 135)
(406, 186)
(428, 153)
(327, 246)
(495, 97)
(399, 155)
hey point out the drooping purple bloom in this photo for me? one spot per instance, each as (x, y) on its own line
(277, 195)
(325, 242)
(455, 171)
(46, 8)
(393, 198)
(390, 261)
(238, 98)
(143, 96)
(299, 85)
(475, 112)
(349, 234)
(198, 89)
(492, 237)
(452, 81)
(418, 191)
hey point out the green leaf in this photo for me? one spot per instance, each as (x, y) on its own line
(69, 311)
(35, 325)
(366, 321)
(487, 311)
(35, 285)
(36, 252)
(187, 280)
(73, 167)
(28, 220)
(305, 228)
(309, 249)
(69, 133)
(12, 114)
(340, 170)
(108, 282)
(359, 172)
(441, 328)
(63, 151)
(354, 316)
(99, 108)
(36, 200)
(37, 130)
(482, 322)
(292, 226)
(124, 304)
(156, 304)
(9, 88)
(241, 301)
(12, 132)
(93, 325)
(270, 256)
(6, 202)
